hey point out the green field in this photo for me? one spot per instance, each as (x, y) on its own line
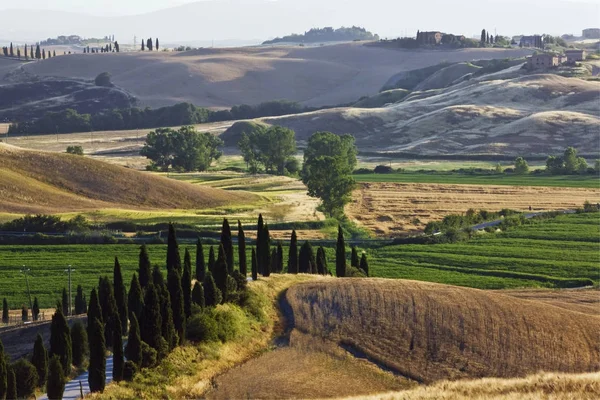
(548, 253)
(578, 181)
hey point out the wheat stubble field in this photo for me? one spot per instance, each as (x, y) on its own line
(393, 209)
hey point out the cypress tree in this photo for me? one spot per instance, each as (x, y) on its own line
(144, 271)
(135, 299)
(340, 254)
(120, 295)
(12, 52)
(80, 306)
(133, 350)
(212, 294)
(54, 53)
(26, 52)
(173, 256)
(26, 378)
(293, 255)
(94, 310)
(186, 284)
(200, 265)
(266, 249)
(211, 260)
(254, 265)
(11, 383)
(177, 299)
(25, 313)
(56, 380)
(5, 317)
(43, 57)
(167, 328)
(60, 340)
(259, 243)
(242, 250)
(151, 322)
(31, 50)
(143, 45)
(158, 279)
(109, 308)
(118, 360)
(322, 261)
(3, 373)
(364, 265)
(35, 311)
(483, 36)
(227, 244)
(273, 264)
(354, 260)
(279, 258)
(198, 295)
(39, 359)
(97, 366)
(220, 273)
(303, 260)
(79, 340)
(156, 44)
(65, 302)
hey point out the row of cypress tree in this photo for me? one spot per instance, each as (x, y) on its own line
(39, 54)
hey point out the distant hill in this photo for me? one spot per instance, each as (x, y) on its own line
(43, 182)
(316, 35)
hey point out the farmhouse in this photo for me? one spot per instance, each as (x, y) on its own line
(575, 55)
(542, 61)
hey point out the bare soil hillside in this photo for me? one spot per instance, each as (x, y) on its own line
(314, 76)
(44, 182)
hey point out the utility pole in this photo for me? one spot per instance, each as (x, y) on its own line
(27, 271)
(69, 270)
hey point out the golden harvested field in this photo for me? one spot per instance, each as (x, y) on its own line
(392, 209)
(580, 300)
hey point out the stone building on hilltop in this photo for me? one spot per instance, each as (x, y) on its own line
(591, 33)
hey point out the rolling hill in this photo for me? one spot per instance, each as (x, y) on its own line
(44, 182)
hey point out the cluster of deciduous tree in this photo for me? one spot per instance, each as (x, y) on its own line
(327, 34)
(570, 164)
(272, 148)
(45, 223)
(184, 149)
(28, 52)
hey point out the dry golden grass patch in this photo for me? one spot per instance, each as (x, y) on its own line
(430, 332)
(581, 300)
(390, 209)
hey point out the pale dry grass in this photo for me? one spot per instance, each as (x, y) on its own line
(581, 300)
(431, 332)
(390, 208)
(534, 387)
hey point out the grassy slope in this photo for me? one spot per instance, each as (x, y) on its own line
(49, 182)
(431, 332)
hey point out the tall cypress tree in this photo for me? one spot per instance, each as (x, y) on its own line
(133, 350)
(65, 302)
(220, 273)
(151, 322)
(80, 306)
(340, 254)
(198, 295)
(279, 258)
(56, 379)
(322, 261)
(11, 383)
(39, 359)
(79, 340)
(118, 359)
(293, 255)
(144, 271)
(176, 292)
(5, 317)
(259, 243)
(212, 294)
(306, 259)
(483, 36)
(120, 295)
(97, 366)
(158, 279)
(273, 265)
(109, 308)
(354, 260)
(266, 249)
(35, 311)
(135, 299)
(168, 332)
(12, 52)
(211, 259)
(60, 340)
(227, 243)
(186, 284)
(364, 265)
(94, 310)
(254, 265)
(31, 50)
(200, 265)
(156, 44)
(173, 256)
(242, 250)
(3, 373)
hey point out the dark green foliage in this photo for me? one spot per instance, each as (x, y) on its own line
(120, 295)
(109, 308)
(39, 359)
(35, 311)
(227, 243)
(198, 295)
(200, 265)
(144, 267)
(169, 336)
(260, 252)
(279, 258)
(56, 380)
(3, 372)
(173, 256)
(25, 313)
(151, 321)
(97, 367)
(11, 383)
(186, 284)
(328, 34)
(149, 356)
(293, 254)
(273, 264)
(212, 294)
(211, 260)
(340, 255)
(103, 79)
(271, 147)
(5, 311)
(306, 260)
(135, 299)
(94, 310)
(265, 248)
(220, 273)
(242, 250)
(322, 268)
(177, 299)
(133, 351)
(254, 265)
(158, 279)
(202, 327)
(27, 378)
(80, 302)
(241, 281)
(129, 370)
(60, 340)
(118, 359)
(65, 302)
(79, 340)
(364, 265)
(354, 260)
(47, 223)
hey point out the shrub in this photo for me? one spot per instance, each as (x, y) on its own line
(27, 378)
(229, 321)
(129, 371)
(76, 150)
(202, 327)
(361, 171)
(292, 166)
(353, 272)
(103, 79)
(149, 356)
(383, 169)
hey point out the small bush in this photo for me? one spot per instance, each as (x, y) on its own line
(27, 378)
(149, 356)
(76, 150)
(361, 171)
(202, 327)
(383, 169)
(129, 371)
(229, 322)
(353, 272)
